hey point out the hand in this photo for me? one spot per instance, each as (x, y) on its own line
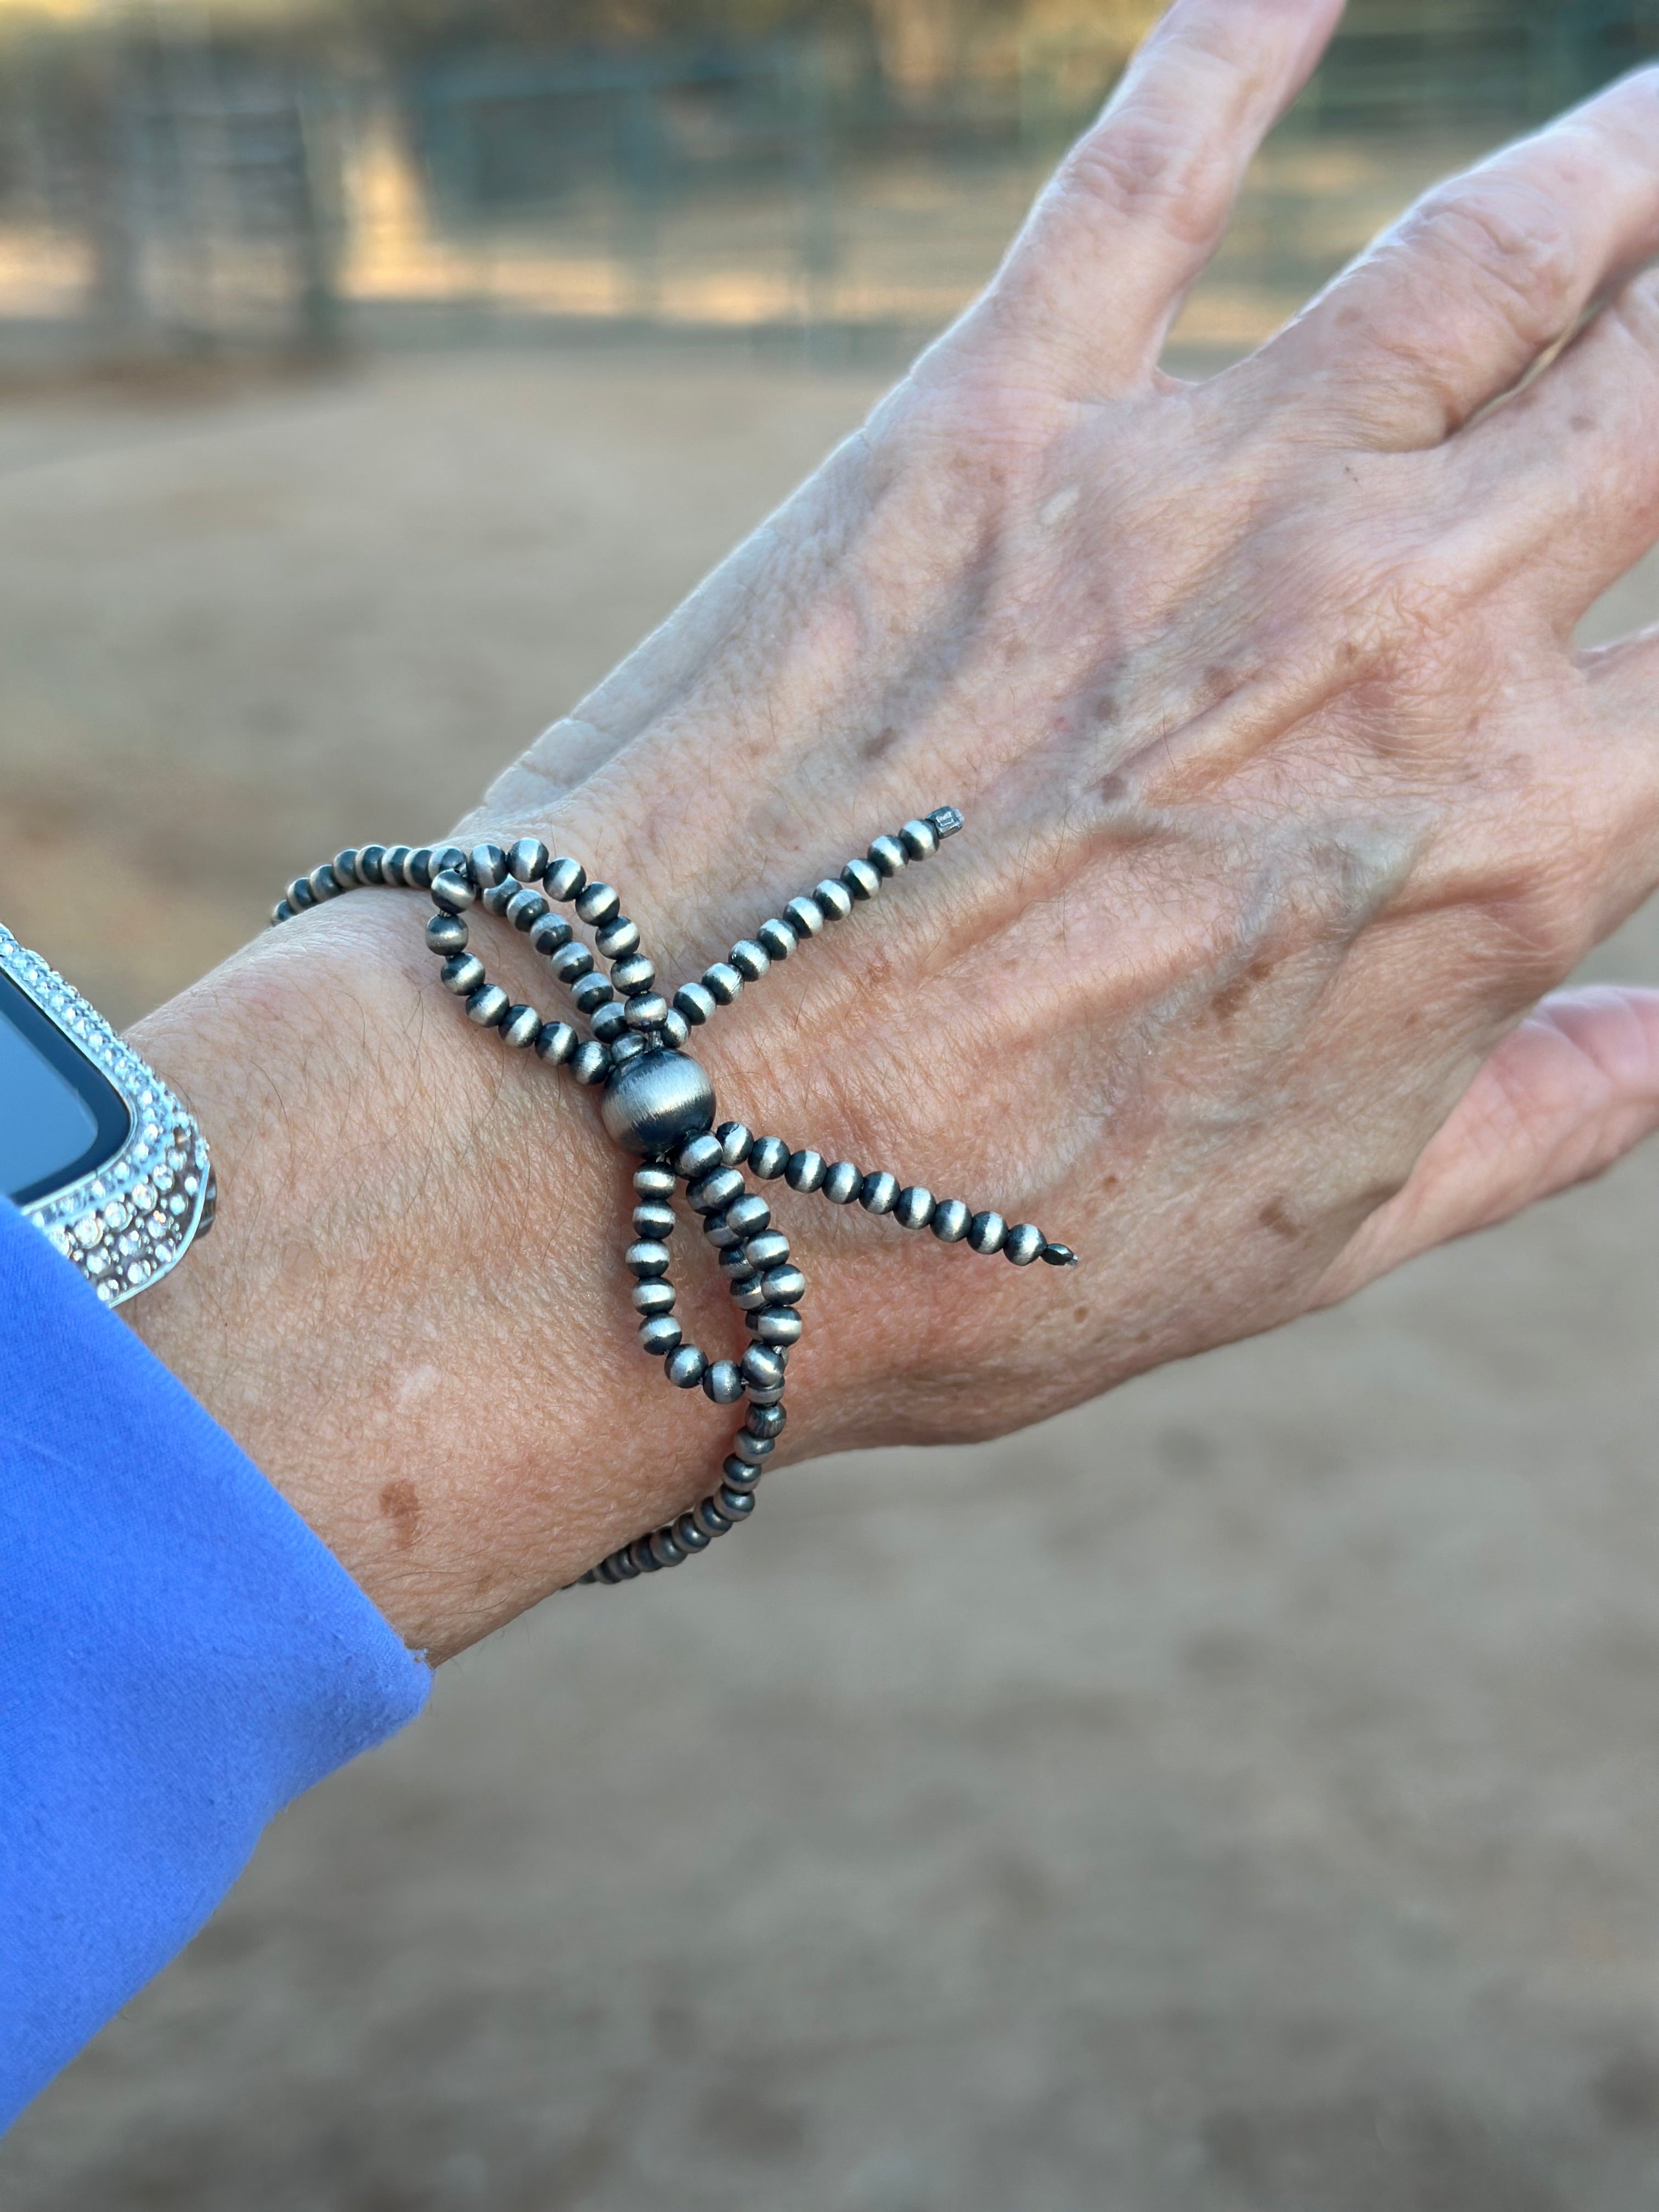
(1287, 796)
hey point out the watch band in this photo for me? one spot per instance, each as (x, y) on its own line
(133, 1218)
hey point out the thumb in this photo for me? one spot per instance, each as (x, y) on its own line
(1567, 1093)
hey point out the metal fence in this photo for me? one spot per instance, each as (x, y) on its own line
(170, 196)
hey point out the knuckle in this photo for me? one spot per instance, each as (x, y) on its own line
(1515, 245)
(1142, 168)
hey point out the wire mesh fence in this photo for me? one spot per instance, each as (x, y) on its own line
(171, 194)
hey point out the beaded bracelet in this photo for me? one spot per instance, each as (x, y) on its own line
(658, 1104)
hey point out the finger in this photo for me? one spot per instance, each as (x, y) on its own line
(1453, 305)
(1141, 202)
(1566, 1095)
(1568, 470)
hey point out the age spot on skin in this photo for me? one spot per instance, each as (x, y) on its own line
(400, 1503)
(1232, 996)
(877, 747)
(1272, 1216)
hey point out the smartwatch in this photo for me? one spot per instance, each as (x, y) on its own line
(94, 1148)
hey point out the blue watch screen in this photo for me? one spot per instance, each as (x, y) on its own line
(60, 1117)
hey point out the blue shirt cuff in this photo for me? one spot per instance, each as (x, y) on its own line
(179, 1657)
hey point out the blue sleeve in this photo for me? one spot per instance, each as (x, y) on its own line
(179, 1656)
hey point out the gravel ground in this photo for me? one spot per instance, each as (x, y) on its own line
(1240, 1796)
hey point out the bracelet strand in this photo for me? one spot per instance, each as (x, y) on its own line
(658, 1103)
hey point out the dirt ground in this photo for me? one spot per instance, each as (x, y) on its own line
(1240, 1796)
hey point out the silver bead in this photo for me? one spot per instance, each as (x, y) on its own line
(750, 960)
(496, 899)
(564, 879)
(344, 865)
(768, 1157)
(769, 1249)
(655, 1182)
(652, 1297)
(749, 1214)
(805, 1171)
(986, 1232)
(761, 1366)
(950, 1218)
(739, 1475)
(369, 858)
(842, 1183)
(736, 1142)
(668, 1552)
(657, 1102)
(462, 975)
(740, 1503)
(393, 862)
(598, 903)
(694, 1003)
(618, 938)
(645, 1010)
(722, 982)
(659, 1334)
(556, 1042)
(571, 962)
(777, 1325)
(323, 885)
(445, 856)
(487, 1006)
(642, 1558)
(590, 992)
(834, 898)
(686, 1367)
(946, 820)
(447, 933)
(747, 1292)
(753, 1449)
(590, 1063)
(710, 1518)
(520, 1027)
(778, 937)
(765, 1401)
(783, 1285)
(676, 1030)
(526, 907)
(1059, 1255)
(281, 912)
(698, 1158)
(713, 1193)
(879, 1193)
(654, 1220)
(919, 840)
(723, 1382)
(861, 879)
(690, 1537)
(734, 1264)
(647, 1258)
(1022, 1243)
(453, 892)
(765, 1420)
(887, 856)
(609, 1023)
(914, 1209)
(527, 860)
(718, 1234)
(299, 894)
(417, 868)
(624, 1048)
(805, 916)
(488, 866)
(634, 975)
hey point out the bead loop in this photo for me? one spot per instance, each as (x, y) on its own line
(657, 1103)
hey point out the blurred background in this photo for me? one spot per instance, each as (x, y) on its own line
(1242, 1796)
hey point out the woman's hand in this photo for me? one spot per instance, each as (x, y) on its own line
(1287, 796)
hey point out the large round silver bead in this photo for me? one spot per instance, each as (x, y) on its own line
(652, 1105)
